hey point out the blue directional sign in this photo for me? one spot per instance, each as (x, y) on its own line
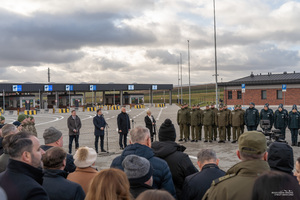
(154, 87)
(69, 87)
(283, 87)
(130, 87)
(243, 88)
(47, 88)
(93, 87)
(17, 88)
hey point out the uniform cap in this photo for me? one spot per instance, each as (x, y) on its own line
(266, 105)
(21, 117)
(252, 103)
(252, 142)
(294, 107)
(280, 106)
(212, 104)
(224, 105)
(236, 106)
(221, 106)
(239, 106)
(207, 105)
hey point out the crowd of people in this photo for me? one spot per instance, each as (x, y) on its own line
(146, 169)
(229, 124)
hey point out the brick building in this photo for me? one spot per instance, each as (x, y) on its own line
(262, 89)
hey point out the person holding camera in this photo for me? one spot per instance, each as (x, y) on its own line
(294, 124)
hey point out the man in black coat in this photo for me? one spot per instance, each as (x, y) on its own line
(150, 124)
(55, 182)
(24, 175)
(197, 184)
(54, 138)
(251, 117)
(99, 123)
(281, 117)
(74, 126)
(180, 164)
(123, 127)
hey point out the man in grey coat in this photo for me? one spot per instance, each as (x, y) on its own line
(74, 125)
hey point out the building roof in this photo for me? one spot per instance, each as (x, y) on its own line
(265, 79)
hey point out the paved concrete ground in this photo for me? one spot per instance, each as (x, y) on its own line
(226, 152)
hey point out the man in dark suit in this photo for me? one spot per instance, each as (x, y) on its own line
(150, 124)
(123, 127)
(99, 123)
(74, 125)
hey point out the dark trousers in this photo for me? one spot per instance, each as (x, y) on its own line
(251, 128)
(282, 131)
(123, 138)
(294, 133)
(101, 142)
(71, 138)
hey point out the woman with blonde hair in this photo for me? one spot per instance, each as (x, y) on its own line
(109, 184)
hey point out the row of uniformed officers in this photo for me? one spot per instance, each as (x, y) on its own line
(223, 119)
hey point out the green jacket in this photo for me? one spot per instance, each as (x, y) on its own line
(208, 117)
(221, 118)
(195, 117)
(236, 118)
(31, 128)
(238, 181)
(228, 115)
(200, 115)
(183, 116)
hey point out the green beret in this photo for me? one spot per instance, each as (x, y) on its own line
(22, 117)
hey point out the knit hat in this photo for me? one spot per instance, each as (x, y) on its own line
(16, 123)
(85, 157)
(280, 106)
(167, 131)
(51, 135)
(31, 117)
(2, 118)
(252, 142)
(252, 103)
(137, 169)
(21, 117)
(294, 107)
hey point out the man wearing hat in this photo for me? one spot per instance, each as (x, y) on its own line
(54, 138)
(239, 180)
(208, 120)
(228, 127)
(214, 126)
(31, 125)
(294, 124)
(167, 149)
(183, 121)
(139, 173)
(281, 117)
(195, 121)
(251, 117)
(221, 120)
(85, 159)
(2, 121)
(199, 136)
(236, 119)
(267, 114)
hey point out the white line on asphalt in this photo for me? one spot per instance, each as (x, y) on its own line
(58, 117)
(158, 116)
(90, 116)
(193, 157)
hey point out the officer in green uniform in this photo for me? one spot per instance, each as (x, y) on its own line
(199, 136)
(214, 126)
(188, 133)
(239, 180)
(243, 118)
(180, 121)
(221, 120)
(195, 121)
(208, 120)
(236, 118)
(228, 127)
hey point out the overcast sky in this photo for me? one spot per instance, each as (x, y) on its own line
(140, 41)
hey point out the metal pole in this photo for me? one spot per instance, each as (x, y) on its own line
(178, 83)
(216, 67)
(3, 101)
(114, 98)
(181, 76)
(40, 99)
(164, 97)
(284, 99)
(189, 73)
(149, 96)
(69, 99)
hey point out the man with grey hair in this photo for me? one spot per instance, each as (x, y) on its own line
(140, 145)
(197, 184)
(8, 129)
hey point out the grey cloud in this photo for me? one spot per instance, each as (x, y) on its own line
(164, 56)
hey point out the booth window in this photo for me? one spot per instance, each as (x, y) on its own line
(239, 94)
(279, 94)
(229, 94)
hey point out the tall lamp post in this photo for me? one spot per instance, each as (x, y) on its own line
(181, 76)
(216, 66)
(189, 73)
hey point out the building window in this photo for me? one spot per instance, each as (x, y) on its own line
(229, 94)
(239, 94)
(264, 94)
(279, 94)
